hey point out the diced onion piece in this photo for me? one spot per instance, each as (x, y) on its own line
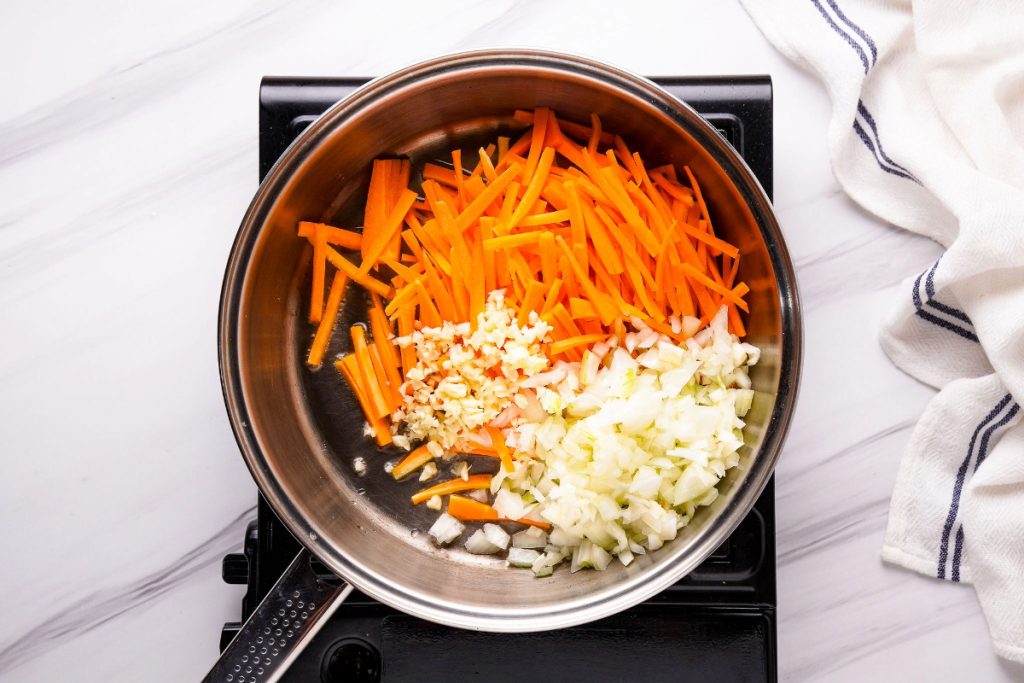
(496, 535)
(434, 503)
(530, 538)
(522, 557)
(446, 529)
(478, 544)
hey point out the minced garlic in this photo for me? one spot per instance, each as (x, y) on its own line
(465, 377)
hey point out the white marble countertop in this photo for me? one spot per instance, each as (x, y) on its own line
(127, 157)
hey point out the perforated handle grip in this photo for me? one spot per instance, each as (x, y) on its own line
(294, 610)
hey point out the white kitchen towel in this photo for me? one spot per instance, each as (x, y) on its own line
(927, 132)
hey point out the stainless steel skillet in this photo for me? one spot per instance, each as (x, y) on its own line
(301, 433)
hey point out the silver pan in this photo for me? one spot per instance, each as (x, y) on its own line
(301, 432)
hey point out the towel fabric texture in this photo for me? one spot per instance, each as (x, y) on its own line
(927, 133)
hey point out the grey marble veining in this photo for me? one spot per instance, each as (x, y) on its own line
(127, 157)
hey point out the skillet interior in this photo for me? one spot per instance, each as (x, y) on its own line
(301, 431)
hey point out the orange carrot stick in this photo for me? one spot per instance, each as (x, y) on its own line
(563, 345)
(381, 329)
(350, 370)
(367, 376)
(326, 326)
(355, 274)
(469, 510)
(412, 462)
(316, 297)
(475, 481)
(346, 239)
(729, 294)
(498, 439)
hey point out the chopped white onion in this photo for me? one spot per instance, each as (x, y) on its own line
(522, 557)
(530, 538)
(446, 529)
(496, 535)
(478, 544)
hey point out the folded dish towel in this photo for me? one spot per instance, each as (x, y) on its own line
(927, 132)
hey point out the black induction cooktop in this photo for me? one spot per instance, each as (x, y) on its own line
(716, 625)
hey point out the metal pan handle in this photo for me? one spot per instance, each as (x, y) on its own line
(293, 612)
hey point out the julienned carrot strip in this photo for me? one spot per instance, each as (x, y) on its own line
(429, 314)
(548, 257)
(512, 241)
(581, 308)
(577, 130)
(487, 168)
(672, 188)
(699, 194)
(469, 510)
(534, 186)
(366, 280)
(552, 296)
(568, 277)
(388, 230)
(391, 395)
(376, 201)
(439, 173)
(545, 218)
(412, 462)
(563, 345)
(605, 309)
(459, 173)
(346, 239)
(476, 208)
(532, 299)
(437, 287)
(627, 158)
(595, 133)
(736, 322)
(606, 250)
(380, 327)
(444, 488)
(316, 297)
(326, 326)
(709, 239)
(540, 124)
(348, 367)
(498, 441)
(403, 296)
(715, 287)
(367, 376)
(406, 274)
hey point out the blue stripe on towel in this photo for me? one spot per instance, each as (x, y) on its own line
(982, 453)
(856, 29)
(929, 288)
(844, 35)
(884, 162)
(869, 143)
(958, 485)
(863, 110)
(920, 305)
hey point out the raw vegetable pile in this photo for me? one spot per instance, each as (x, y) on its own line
(560, 308)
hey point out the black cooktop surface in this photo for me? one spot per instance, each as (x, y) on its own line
(715, 625)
